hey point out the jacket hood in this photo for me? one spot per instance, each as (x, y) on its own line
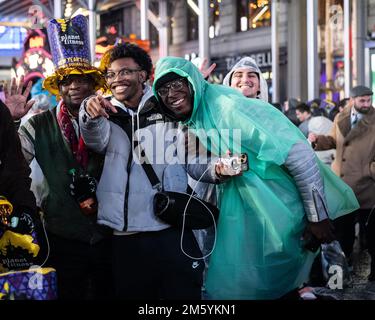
(185, 69)
(249, 63)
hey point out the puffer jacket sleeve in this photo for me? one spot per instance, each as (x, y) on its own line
(95, 132)
(303, 167)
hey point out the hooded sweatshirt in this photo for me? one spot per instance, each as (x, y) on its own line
(250, 64)
(258, 253)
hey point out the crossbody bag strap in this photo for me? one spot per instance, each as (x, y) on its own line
(149, 170)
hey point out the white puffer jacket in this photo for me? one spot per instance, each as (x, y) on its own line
(125, 194)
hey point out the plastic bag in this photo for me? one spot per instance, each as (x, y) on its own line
(335, 266)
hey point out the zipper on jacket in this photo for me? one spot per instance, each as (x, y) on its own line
(126, 205)
(316, 197)
(128, 169)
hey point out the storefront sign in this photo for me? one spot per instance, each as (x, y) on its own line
(262, 59)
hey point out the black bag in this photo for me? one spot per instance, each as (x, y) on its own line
(170, 207)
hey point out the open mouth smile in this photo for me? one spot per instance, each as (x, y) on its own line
(177, 103)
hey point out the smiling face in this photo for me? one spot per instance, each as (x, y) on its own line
(177, 98)
(246, 81)
(125, 79)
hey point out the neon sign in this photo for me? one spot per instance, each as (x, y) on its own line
(36, 42)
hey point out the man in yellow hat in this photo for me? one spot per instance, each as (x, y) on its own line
(79, 248)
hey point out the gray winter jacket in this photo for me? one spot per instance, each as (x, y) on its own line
(125, 194)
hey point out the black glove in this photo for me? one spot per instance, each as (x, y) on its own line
(311, 242)
(322, 230)
(83, 187)
(317, 233)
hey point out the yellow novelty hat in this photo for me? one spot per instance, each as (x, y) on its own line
(69, 42)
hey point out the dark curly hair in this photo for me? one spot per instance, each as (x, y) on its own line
(130, 50)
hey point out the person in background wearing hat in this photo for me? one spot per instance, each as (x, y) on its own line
(148, 260)
(353, 136)
(246, 77)
(80, 250)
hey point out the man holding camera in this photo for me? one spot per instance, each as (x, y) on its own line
(259, 252)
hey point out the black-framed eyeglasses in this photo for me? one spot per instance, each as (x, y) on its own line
(175, 85)
(78, 79)
(123, 73)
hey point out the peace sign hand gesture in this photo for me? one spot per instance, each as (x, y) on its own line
(206, 72)
(16, 101)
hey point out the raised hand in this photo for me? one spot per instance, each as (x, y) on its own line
(15, 100)
(312, 137)
(206, 72)
(98, 107)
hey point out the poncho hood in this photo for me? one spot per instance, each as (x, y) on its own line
(220, 108)
(182, 68)
(250, 64)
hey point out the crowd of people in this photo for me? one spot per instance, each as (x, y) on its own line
(112, 134)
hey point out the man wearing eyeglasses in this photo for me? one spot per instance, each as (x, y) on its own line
(127, 127)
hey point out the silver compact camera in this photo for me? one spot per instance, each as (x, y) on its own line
(235, 165)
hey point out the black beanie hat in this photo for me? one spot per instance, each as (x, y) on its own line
(165, 79)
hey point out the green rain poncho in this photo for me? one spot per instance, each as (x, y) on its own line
(259, 253)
